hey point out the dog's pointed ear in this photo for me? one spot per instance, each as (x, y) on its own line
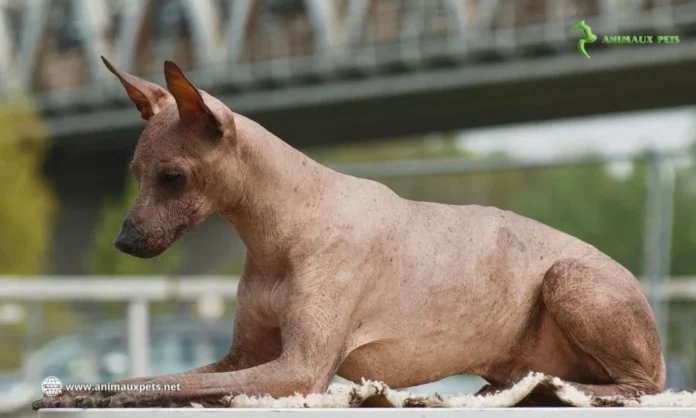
(188, 98)
(148, 97)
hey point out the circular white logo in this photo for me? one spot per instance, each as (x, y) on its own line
(52, 386)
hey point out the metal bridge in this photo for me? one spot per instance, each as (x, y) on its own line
(318, 71)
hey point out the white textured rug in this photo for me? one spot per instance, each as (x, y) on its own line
(534, 390)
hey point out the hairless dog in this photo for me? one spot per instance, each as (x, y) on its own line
(342, 276)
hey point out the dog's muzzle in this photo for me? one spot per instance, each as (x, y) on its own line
(132, 242)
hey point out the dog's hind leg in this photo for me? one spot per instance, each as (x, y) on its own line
(600, 310)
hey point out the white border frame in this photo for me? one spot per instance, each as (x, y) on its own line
(372, 412)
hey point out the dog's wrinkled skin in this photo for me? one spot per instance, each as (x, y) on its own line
(342, 276)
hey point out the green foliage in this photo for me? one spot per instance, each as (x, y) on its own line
(684, 232)
(233, 267)
(26, 201)
(27, 205)
(104, 259)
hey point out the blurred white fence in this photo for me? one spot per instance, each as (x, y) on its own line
(139, 292)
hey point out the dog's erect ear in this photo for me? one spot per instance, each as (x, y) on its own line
(148, 97)
(188, 98)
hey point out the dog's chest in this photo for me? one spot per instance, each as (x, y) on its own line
(262, 298)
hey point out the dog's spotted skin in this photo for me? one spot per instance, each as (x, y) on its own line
(342, 276)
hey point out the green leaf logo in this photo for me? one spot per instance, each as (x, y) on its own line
(589, 37)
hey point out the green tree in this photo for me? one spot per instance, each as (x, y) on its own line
(27, 207)
(27, 201)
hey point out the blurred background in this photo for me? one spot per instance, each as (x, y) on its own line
(457, 101)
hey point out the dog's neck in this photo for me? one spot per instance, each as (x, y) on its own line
(277, 193)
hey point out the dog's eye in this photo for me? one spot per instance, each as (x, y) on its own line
(171, 178)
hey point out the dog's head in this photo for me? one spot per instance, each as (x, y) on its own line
(181, 158)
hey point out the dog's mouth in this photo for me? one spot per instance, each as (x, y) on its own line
(147, 253)
(141, 246)
(150, 252)
(142, 251)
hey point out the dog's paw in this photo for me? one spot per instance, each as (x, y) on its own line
(109, 399)
(64, 400)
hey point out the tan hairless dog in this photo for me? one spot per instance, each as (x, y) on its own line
(342, 276)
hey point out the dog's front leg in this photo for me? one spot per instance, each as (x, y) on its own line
(314, 323)
(278, 378)
(308, 362)
(254, 343)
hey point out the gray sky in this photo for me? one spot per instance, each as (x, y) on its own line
(664, 129)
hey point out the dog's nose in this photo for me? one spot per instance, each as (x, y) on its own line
(128, 240)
